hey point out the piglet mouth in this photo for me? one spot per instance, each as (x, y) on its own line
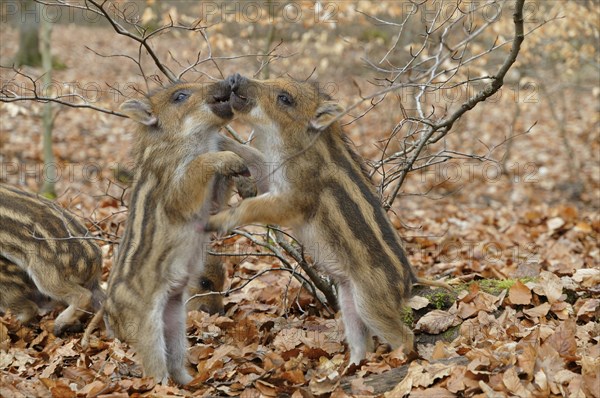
(219, 93)
(221, 98)
(240, 96)
(240, 102)
(240, 88)
(218, 100)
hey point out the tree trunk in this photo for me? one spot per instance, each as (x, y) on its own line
(50, 172)
(270, 37)
(29, 49)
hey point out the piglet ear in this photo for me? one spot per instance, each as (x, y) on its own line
(325, 114)
(140, 111)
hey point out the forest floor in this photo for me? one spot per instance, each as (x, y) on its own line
(522, 247)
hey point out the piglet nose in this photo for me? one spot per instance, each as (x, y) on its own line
(234, 81)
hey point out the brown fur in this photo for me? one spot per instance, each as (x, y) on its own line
(46, 251)
(183, 173)
(207, 287)
(19, 293)
(321, 191)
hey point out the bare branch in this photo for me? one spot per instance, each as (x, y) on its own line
(8, 94)
(280, 256)
(307, 268)
(143, 41)
(446, 124)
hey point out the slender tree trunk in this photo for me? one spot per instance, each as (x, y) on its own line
(50, 172)
(270, 37)
(29, 49)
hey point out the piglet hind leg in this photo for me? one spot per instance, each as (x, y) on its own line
(20, 304)
(383, 316)
(175, 339)
(55, 285)
(358, 335)
(25, 310)
(79, 300)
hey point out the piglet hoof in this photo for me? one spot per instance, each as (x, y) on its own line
(351, 368)
(60, 329)
(412, 355)
(162, 380)
(183, 379)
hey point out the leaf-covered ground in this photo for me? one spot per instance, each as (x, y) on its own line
(521, 247)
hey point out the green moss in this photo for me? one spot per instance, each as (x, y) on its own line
(438, 299)
(451, 334)
(527, 279)
(407, 316)
(495, 286)
(460, 287)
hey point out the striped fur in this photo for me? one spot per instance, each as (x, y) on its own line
(319, 189)
(184, 169)
(55, 254)
(19, 293)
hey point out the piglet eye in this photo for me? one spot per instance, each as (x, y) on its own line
(180, 96)
(206, 284)
(285, 99)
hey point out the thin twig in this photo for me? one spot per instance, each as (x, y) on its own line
(444, 126)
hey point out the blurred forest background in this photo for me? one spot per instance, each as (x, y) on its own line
(510, 190)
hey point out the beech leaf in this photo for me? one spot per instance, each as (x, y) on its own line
(437, 321)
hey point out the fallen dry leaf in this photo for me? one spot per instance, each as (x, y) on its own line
(295, 376)
(555, 223)
(417, 302)
(587, 277)
(539, 311)
(519, 294)
(266, 389)
(489, 391)
(405, 386)
(436, 322)
(456, 381)
(437, 392)
(513, 384)
(62, 391)
(551, 285)
(588, 307)
(563, 340)
(93, 389)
